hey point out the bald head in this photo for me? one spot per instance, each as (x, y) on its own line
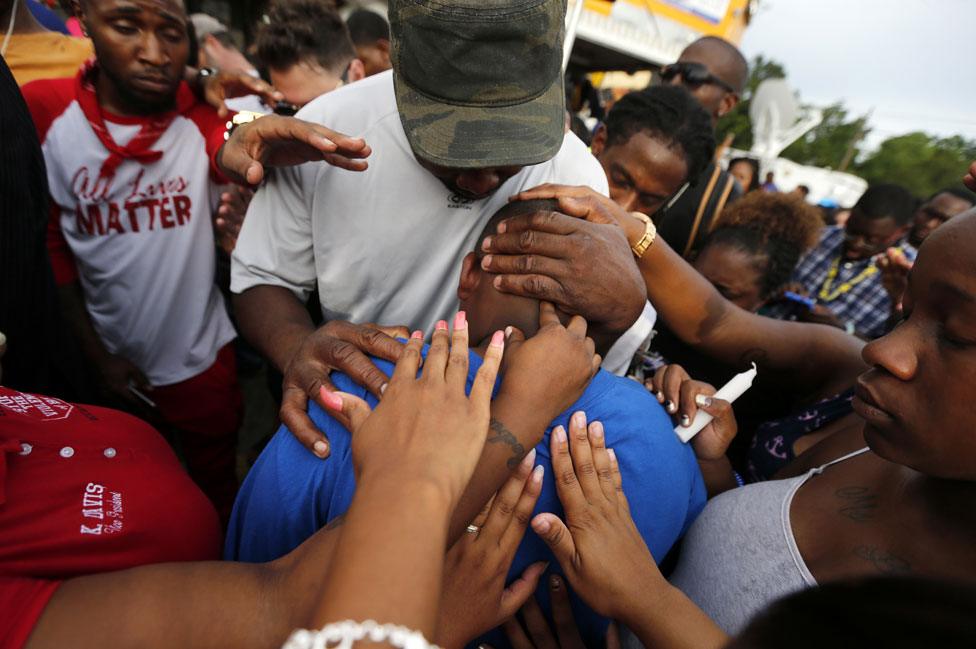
(724, 61)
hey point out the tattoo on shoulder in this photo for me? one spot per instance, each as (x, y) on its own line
(857, 503)
(498, 434)
(885, 562)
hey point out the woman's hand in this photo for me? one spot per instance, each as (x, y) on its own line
(599, 548)
(474, 599)
(536, 633)
(549, 371)
(425, 427)
(683, 397)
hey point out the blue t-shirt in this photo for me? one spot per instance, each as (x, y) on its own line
(289, 494)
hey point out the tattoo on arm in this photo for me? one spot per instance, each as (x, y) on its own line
(885, 562)
(498, 434)
(859, 504)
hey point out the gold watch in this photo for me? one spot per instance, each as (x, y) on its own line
(650, 234)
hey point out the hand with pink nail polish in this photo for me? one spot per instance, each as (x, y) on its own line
(425, 429)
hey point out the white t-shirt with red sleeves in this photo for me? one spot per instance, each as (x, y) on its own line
(142, 243)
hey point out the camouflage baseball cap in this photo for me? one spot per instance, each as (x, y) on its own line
(479, 82)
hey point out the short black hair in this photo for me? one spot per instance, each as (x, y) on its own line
(887, 200)
(959, 192)
(514, 208)
(670, 113)
(367, 26)
(300, 30)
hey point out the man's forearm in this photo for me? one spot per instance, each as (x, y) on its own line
(513, 433)
(273, 321)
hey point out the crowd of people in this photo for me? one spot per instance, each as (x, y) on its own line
(484, 322)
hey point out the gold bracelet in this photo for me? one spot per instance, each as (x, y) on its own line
(650, 234)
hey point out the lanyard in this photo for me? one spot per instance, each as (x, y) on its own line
(826, 295)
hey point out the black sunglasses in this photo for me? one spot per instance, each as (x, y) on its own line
(693, 75)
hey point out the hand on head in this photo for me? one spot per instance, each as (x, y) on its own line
(425, 426)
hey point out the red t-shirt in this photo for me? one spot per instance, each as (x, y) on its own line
(86, 490)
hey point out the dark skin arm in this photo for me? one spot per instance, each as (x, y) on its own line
(200, 605)
(114, 372)
(814, 360)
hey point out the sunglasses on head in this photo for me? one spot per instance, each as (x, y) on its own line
(693, 75)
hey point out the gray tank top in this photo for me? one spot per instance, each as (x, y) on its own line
(740, 554)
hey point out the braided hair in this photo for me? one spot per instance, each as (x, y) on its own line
(671, 114)
(775, 228)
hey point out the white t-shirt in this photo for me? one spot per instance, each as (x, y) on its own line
(384, 245)
(142, 247)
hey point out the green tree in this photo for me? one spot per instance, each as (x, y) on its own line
(832, 141)
(923, 163)
(737, 121)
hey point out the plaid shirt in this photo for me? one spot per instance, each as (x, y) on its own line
(866, 306)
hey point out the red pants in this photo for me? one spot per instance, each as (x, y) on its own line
(206, 411)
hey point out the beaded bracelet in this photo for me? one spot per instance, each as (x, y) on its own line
(342, 635)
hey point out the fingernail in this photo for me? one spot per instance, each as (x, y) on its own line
(486, 244)
(541, 525)
(529, 459)
(417, 334)
(486, 262)
(460, 321)
(670, 407)
(441, 325)
(508, 332)
(497, 282)
(613, 455)
(560, 434)
(537, 474)
(685, 420)
(555, 582)
(596, 429)
(497, 339)
(383, 388)
(330, 399)
(320, 448)
(703, 401)
(660, 396)
(501, 228)
(579, 419)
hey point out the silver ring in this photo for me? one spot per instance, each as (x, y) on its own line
(472, 529)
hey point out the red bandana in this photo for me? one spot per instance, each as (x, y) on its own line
(140, 147)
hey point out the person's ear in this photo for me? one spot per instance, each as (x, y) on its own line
(470, 276)
(383, 46)
(599, 141)
(357, 71)
(729, 101)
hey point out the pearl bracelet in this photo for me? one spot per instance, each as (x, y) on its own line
(342, 635)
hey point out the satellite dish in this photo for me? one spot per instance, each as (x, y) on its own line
(777, 119)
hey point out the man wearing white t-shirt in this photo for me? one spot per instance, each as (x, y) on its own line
(129, 155)
(472, 113)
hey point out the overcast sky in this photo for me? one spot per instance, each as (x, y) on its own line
(912, 61)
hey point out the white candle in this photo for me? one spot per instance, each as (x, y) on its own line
(728, 392)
